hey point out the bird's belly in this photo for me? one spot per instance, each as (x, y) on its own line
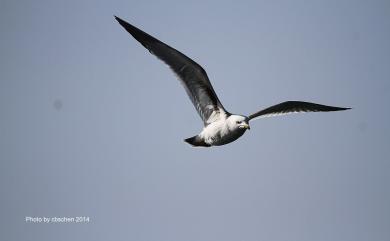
(217, 134)
(232, 136)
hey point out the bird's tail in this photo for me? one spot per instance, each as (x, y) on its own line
(196, 141)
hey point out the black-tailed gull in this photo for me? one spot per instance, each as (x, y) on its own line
(220, 126)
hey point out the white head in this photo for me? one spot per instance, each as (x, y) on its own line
(236, 122)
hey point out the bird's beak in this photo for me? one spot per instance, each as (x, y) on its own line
(245, 125)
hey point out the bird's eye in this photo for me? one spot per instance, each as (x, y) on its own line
(238, 122)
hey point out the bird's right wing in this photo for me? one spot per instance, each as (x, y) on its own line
(191, 75)
(293, 107)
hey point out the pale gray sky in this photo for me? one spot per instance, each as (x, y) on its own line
(93, 125)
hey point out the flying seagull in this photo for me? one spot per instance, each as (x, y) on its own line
(220, 126)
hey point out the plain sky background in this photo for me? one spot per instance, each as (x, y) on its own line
(93, 125)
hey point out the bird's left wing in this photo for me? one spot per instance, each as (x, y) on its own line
(192, 75)
(294, 107)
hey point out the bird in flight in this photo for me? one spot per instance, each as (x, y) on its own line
(220, 126)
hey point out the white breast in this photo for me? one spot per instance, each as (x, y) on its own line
(219, 133)
(212, 132)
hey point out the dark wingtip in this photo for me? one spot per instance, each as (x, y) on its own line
(118, 19)
(122, 22)
(344, 108)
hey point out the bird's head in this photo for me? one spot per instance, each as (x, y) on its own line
(238, 122)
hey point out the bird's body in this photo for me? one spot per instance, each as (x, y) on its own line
(220, 126)
(220, 132)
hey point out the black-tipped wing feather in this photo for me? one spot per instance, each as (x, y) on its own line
(294, 107)
(191, 74)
